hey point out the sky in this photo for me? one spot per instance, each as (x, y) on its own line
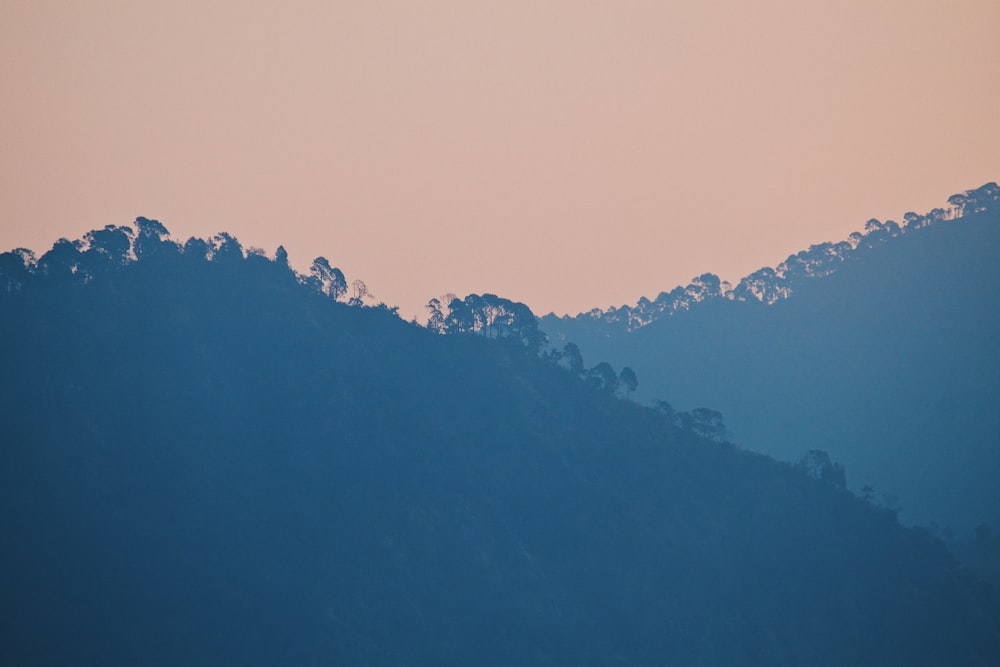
(568, 154)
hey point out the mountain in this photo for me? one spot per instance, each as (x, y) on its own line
(883, 350)
(207, 459)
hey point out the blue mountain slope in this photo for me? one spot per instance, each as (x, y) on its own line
(891, 364)
(213, 462)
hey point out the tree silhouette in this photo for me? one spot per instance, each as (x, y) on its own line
(226, 249)
(708, 423)
(629, 379)
(667, 409)
(328, 279)
(818, 465)
(487, 315)
(435, 321)
(573, 357)
(281, 256)
(359, 292)
(107, 249)
(61, 262)
(151, 238)
(196, 249)
(15, 269)
(603, 377)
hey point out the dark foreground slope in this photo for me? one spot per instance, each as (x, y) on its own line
(204, 464)
(891, 364)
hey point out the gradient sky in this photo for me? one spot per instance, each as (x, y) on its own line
(568, 154)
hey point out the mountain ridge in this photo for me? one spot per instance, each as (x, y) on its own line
(889, 364)
(210, 460)
(771, 284)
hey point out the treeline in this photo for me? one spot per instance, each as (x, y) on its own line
(704, 422)
(115, 247)
(215, 461)
(770, 284)
(487, 315)
(199, 441)
(491, 316)
(495, 317)
(602, 376)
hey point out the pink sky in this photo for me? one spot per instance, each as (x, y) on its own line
(568, 154)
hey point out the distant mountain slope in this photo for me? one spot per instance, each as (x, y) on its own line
(769, 285)
(891, 363)
(208, 463)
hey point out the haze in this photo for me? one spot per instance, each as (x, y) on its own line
(565, 154)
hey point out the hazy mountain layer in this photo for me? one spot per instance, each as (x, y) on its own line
(890, 363)
(208, 463)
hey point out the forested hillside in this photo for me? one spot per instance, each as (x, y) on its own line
(883, 350)
(210, 460)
